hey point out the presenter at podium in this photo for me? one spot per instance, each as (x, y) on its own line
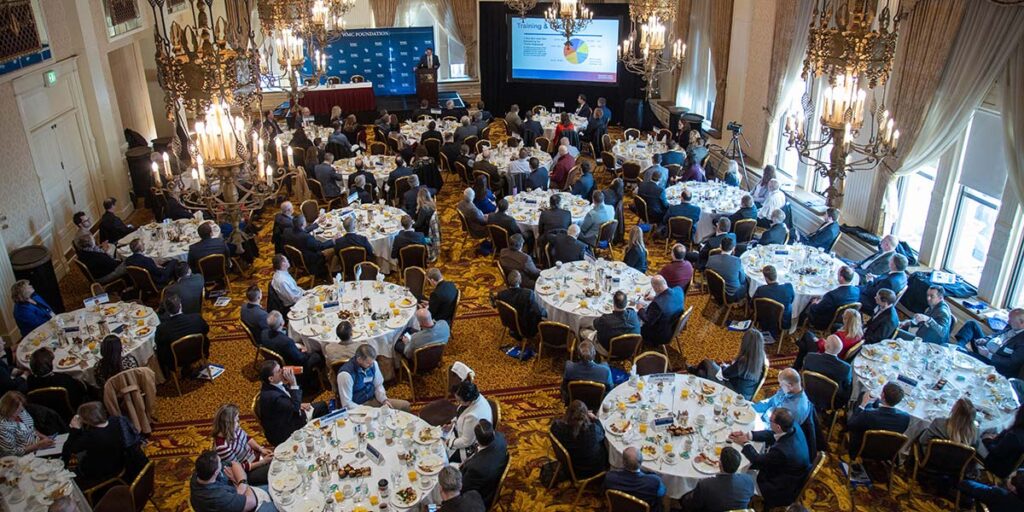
(428, 60)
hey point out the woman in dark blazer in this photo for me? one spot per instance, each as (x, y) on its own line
(582, 436)
(99, 443)
(636, 252)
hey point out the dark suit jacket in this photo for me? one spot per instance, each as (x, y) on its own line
(777, 234)
(442, 301)
(371, 180)
(824, 236)
(354, 240)
(635, 258)
(731, 269)
(584, 186)
(76, 389)
(588, 449)
(112, 228)
(684, 210)
(779, 292)
(405, 238)
(431, 134)
(616, 323)
(821, 313)
(284, 346)
(657, 202)
(895, 281)
(1009, 359)
(451, 150)
(280, 413)
(207, 247)
(190, 289)
(936, 328)
(525, 303)
(743, 213)
(282, 224)
(781, 470)
(877, 267)
(584, 110)
(834, 368)
(1004, 450)
(645, 486)
(399, 172)
(583, 370)
(711, 242)
(465, 502)
(517, 260)
(506, 221)
(255, 318)
(99, 263)
(175, 210)
(436, 62)
(881, 326)
(997, 499)
(660, 315)
(553, 219)
(483, 470)
(874, 418)
(160, 274)
(565, 248)
(328, 178)
(720, 493)
(531, 130)
(173, 328)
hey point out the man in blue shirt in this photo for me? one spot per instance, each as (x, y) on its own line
(656, 168)
(630, 480)
(790, 396)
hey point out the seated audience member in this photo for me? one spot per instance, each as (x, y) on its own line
(112, 360)
(997, 499)
(486, 184)
(530, 130)
(693, 171)
(161, 274)
(1004, 350)
(775, 200)
(560, 167)
(747, 210)
(585, 369)
(84, 224)
(112, 228)
(363, 191)
(311, 248)
(282, 224)
(328, 176)
(515, 123)
(30, 310)
(175, 325)
(449, 481)
(234, 445)
(1005, 448)
(460, 432)
(881, 414)
(361, 383)
(636, 252)
(933, 325)
(595, 219)
(514, 258)
(538, 178)
(281, 410)
(631, 480)
(959, 427)
(828, 364)
(216, 488)
(98, 443)
(502, 219)
(622, 320)
(189, 287)
(760, 192)
(476, 221)
(660, 314)
(883, 325)
(679, 272)
(352, 238)
(673, 155)
(783, 293)
(252, 313)
(40, 365)
(581, 434)
(895, 280)
(654, 195)
(822, 310)
(174, 209)
(727, 490)
(524, 302)
(584, 184)
(878, 263)
(444, 299)
(284, 285)
(208, 246)
(656, 167)
(103, 268)
(554, 218)
(730, 268)
(427, 332)
(482, 472)
(825, 236)
(849, 334)
(685, 209)
(777, 233)
(18, 434)
(276, 338)
(565, 247)
(712, 242)
(732, 174)
(744, 374)
(783, 468)
(369, 180)
(789, 396)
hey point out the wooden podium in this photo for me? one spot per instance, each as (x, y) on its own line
(426, 85)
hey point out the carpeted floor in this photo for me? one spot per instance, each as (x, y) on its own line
(528, 392)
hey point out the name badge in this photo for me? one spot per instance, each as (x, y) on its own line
(1008, 351)
(368, 379)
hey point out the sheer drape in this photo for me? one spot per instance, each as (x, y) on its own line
(464, 13)
(1013, 120)
(692, 91)
(789, 44)
(384, 12)
(721, 34)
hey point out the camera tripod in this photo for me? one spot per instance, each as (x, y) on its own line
(734, 151)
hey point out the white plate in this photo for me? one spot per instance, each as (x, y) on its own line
(746, 416)
(647, 448)
(434, 438)
(430, 461)
(284, 451)
(286, 482)
(627, 425)
(397, 503)
(707, 469)
(396, 322)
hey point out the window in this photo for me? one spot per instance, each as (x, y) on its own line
(971, 235)
(449, 50)
(1016, 297)
(915, 193)
(787, 161)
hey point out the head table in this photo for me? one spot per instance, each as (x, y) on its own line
(577, 293)
(638, 150)
(812, 272)
(378, 223)
(525, 207)
(714, 198)
(328, 464)
(703, 414)
(75, 337)
(30, 483)
(165, 241)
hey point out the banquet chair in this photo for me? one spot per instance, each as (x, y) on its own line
(378, 148)
(414, 255)
(252, 339)
(485, 134)
(631, 133)
(143, 282)
(270, 355)
(214, 269)
(495, 412)
(433, 148)
(368, 271)
(509, 318)
(443, 161)
(608, 163)
(310, 210)
(477, 173)
(501, 270)
(837, 319)
(680, 231)
(115, 285)
(298, 155)
(349, 257)
(357, 79)
(744, 230)
(882, 447)
(117, 499)
(822, 392)
(186, 351)
(333, 80)
(481, 144)
(256, 407)
(716, 287)
(316, 189)
(402, 185)
(650, 362)
(471, 142)
(760, 383)
(461, 171)
(424, 117)
(605, 238)
(631, 173)
(415, 279)
(768, 316)
(664, 135)
(619, 501)
(378, 134)
(587, 391)
(554, 335)
(853, 351)
(143, 487)
(674, 172)
(681, 323)
(55, 398)
(624, 347)
(424, 359)
(501, 482)
(499, 238)
(455, 310)
(392, 141)
(570, 179)
(298, 262)
(564, 459)
(640, 207)
(606, 142)
(816, 465)
(833, 244)
(944, 458)
(159, 202)
(587, 148)
(543, 143)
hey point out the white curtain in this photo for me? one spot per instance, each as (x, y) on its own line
(1013, 120)
(789, 79)
(987, 37)
(696, 88)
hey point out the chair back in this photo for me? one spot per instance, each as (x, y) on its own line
(357, 79)
(501, 481)
(333, 80)
(816, 465)
(744, 230)
(881, 445)
(443, 161)
(252, 336)
(509, 317)
(682, 322)
(296, 258)
(674, 171)
(317, 189)
(851, 354)
(608, 160)
(256, 407)
(214, 268)
(391, 140)
(631, 172)
(651, 362)
(378, 148)
(402, 185)
(413, 256)
(834, 241)
(310, 210)
(821, 390)
(142, 279)
(606, 141)
(190, 349)
(768, 314)
(53, 397)
(947, 457)
(368, 271)
(482, 143)
(641, 209)
(433, 148)
(619, 501)
(664, 135)
(471, 142)
(837, 318)
(455, 309)
(542, 143)
(310, 82)
(495, 412)
(680, 229)
(349, 258)
(270, 355)
(716, 286)
(84, 269)
(499, 237)
(563, 457)
(606, 235)
(461, 171)
(427, 357)
(117, 499)
(760, 383)
(631, 133)
(587, 391)
(624, 347)
(144, 486)
(555, 334)
(415, 278)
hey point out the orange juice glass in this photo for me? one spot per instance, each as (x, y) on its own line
(622, 406)
(643, 427)
(413, 476)
(374, 500)
(339, 496)
(640, 385)
(668, 447)
(685, 393)
(391, 304)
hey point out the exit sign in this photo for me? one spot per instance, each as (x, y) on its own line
(50, 78)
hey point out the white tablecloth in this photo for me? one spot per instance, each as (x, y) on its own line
(414, 129)
(39, 482)
(158, 239)
(550, 120)
(812, 271)
(654, 402)
(396, 302)
(380, 165)
(715, 199)
(136, 340)
(927, 363)
(379, 224)
(563, 291)
(637, 150)
(305, 481)
(312, 132)
(525, 207)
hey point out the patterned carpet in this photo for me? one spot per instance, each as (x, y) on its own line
(528, 392)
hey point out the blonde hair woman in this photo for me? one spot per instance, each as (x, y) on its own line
(636, 251)
(959, 427)
(233, 444)
(851, 333)
(30, 310)
(18, 434)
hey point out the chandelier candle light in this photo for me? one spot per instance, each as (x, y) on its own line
(647, 57)
(568, 17)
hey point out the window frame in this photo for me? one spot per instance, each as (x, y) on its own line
(902, 190)
(965, 192)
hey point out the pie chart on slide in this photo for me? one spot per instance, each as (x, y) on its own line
(576, 51)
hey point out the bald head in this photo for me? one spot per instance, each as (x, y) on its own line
(631, 459)
(833, 345)
(287, 208)
(563, 150)
(789, 380)
(574, 230)
(659, 284)
(889, 242)
(424, 318)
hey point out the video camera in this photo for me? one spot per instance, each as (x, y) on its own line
(734, 127)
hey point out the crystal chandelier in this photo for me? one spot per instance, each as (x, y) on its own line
(646, 56)
(521, 6)
(568, 17)
(641, 10)
(843, 40)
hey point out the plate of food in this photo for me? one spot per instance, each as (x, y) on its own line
(707, 389)
(649, 451)
(430, 465)
(427, 435)
(406, 302)
(620, 426)
(404, 498)
(68, 361)
(111, 310)
(396, 322)
(286, 482)
(705, 464)
(286, 451)
(744, 415)
(141, 312)
(634, 398)
(679, 430)
(349, 446)
(142, 331)
(348, 471)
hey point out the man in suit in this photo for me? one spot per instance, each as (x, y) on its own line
(895, 280)
(554, 218)
(208, 246)
(660, 314)
(565, 247)
(422, 110)
(428, 332)
(1004, 351)
(531, 129)
(311, 248)
(727, 490)
(524, 301)
(328, 177)
(360, 170)
(673, 156)
(656, 167)
(598, 215)
(747, 210)
(584, 185)
(514, 258)
(431, 132)
(825, 236)
(160, 274)
(878, 263)
(700, 257)
(538, 177)
(103, 267)
(884, 323)
(778, 233)
(428, 60)
(583, 110)
(112, 228)
(443, 299)
(275, 338)
(678, 272)
(189, 287)
(631, 480)
(400, 171)
(449, 110)
(730, 268)
(828, 364)
(450, 150)
(502, 219)
(252, 313)
(352, 238)
(783, 293)
(406, 237)
(782, 470)
(880, 415)
(933, 325)
(685, 209)
(483, 163)
(175, 210)
(586, 369)
(622, 320)
(654, 195)
(515, 123)
(482, 471)
(449, 480)
(561, 166)
(465, 130)
(823, 309)
(281, 410)
(84, 224)
(479, 122)
(282, 224)
(173, 326)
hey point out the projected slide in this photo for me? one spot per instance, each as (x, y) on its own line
(539, 53)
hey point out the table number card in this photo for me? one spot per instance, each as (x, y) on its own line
(97, 300)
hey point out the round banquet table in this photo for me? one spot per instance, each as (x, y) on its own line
(164, 241)
(393, 306)
(312, 132)
(714, 198)
(927, 363)
(380, 165)
(75, 356)
(627, 406)
(563, 290)
(306, 471)
(379, 224)
(637, 150)
(415, 129)
(550, 120)
(31, 483)
(502, 157)
(525, 207)
(812, 271)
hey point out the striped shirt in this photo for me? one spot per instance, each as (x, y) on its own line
(236, 450)
(17, 434)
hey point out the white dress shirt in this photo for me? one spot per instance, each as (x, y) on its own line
(287, 289)
(773, 201)
(345, 387)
